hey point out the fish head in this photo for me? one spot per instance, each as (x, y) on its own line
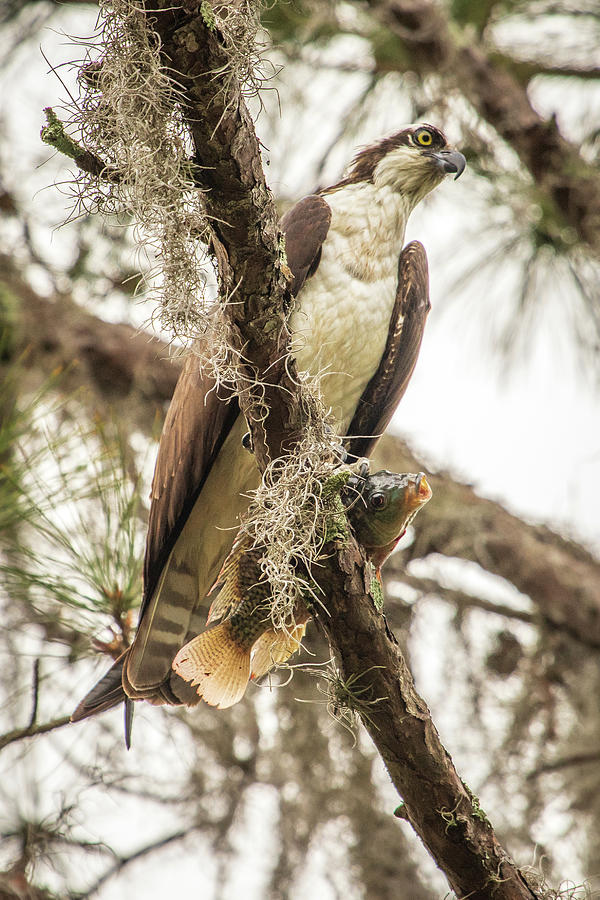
(385, 504)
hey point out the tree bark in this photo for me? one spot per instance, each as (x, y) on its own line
(246, 238)
(437, 803)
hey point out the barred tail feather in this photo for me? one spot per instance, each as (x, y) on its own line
(275, 647)
(217, 665)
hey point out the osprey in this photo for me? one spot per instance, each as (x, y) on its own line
(360, 304)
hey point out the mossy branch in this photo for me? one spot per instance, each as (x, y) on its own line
(54, 134)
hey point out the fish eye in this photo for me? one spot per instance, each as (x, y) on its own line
(378, 501)
(423, 137)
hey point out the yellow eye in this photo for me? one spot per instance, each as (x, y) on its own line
(424, 138)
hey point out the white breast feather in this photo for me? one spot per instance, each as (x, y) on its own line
(342, 319)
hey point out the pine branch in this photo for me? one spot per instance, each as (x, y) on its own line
(246, 243)
(440, 531)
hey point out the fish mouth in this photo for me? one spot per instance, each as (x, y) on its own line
(423, 492)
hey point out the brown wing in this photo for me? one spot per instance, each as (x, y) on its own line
(305, 227)
(196, 429)
(199, 421)
(386, 388)
(196, 426)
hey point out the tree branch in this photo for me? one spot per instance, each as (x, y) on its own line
(247, 250)
(452, 525)
(54, 134)
(123, 861)
(246, 243)
(242, 216)
(441, 809)
(118, 362)
(524, 70)
(565, 762)
(561, 577)
(460, 599)
(18, 734)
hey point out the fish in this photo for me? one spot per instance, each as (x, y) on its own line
(383, 508)
(222, 661)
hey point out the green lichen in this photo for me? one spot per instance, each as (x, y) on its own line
(271, 325)
(478, 813)
(53, 133)
(334, 484)
(375, 590)
(336, 522)
(208, 15)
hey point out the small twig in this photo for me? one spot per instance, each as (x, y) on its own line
(20, 734)
(31, 729)
(576, 759)
(124, 861)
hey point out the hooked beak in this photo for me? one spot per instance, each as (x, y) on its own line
(451, 162)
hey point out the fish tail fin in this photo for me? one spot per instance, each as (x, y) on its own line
(217, 665)
(275, 647)
(105, 694)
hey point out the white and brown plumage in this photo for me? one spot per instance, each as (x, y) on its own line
(360, 309)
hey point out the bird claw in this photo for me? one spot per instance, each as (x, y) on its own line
(247, 442)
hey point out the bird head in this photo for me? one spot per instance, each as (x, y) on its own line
(412, 161)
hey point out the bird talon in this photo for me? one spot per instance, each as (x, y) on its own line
(247, 442)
